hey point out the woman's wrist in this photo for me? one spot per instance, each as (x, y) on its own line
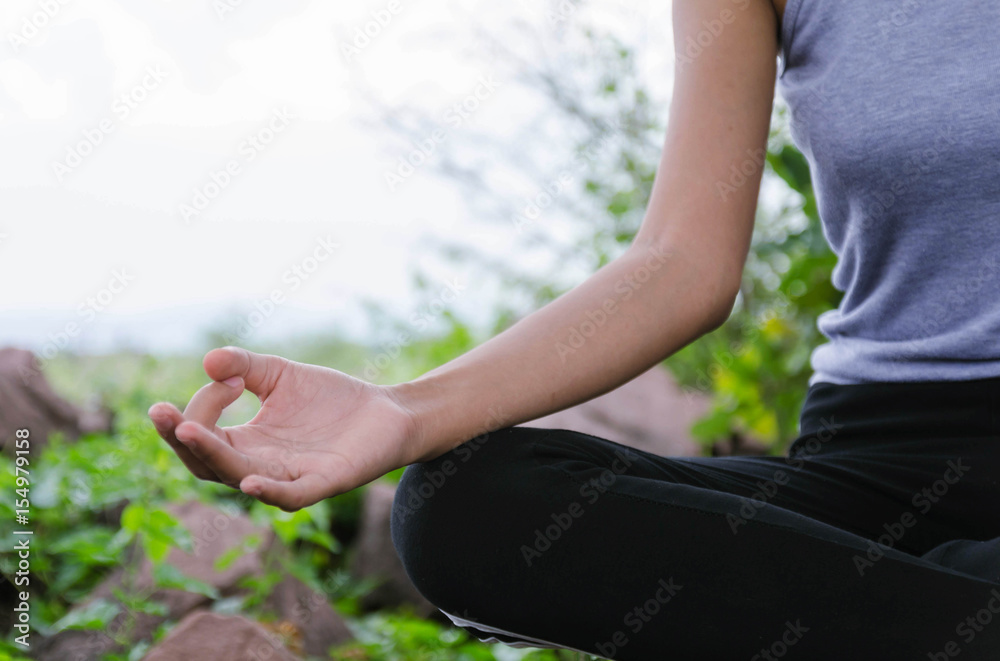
(438, 420)
(415, 413)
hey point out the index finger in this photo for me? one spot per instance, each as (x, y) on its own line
(259, 371)
(208, 403)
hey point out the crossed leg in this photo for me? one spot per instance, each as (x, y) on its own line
(557, 538)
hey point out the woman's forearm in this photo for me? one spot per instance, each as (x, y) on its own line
(627, 317)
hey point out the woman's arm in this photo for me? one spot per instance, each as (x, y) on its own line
(320, 432)
(675, 283)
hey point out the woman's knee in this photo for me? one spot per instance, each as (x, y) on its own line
(445, 510)
(463, 474)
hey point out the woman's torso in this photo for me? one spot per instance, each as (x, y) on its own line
(897, 107)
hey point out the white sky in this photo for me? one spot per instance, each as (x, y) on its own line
(64, 236)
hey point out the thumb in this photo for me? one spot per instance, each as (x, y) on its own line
(289, 495)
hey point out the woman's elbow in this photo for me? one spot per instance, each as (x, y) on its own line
(722, 308)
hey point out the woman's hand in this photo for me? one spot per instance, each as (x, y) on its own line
(319, 432)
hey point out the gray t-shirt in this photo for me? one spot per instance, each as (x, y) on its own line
(896, 105)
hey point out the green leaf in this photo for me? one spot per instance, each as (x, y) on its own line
(168, 576)
(133, 516)
(139, 651)
(228, 558)
(152, 607)
(156, 549)
(97, 614)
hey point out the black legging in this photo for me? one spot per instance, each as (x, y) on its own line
(842, 549)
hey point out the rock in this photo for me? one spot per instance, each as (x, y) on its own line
(76, 645)
(205, 635)
(308, 615)
(28, 402)
(215, 532)
(375, 556)
(650, 413)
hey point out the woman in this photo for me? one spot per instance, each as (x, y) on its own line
(870, 539)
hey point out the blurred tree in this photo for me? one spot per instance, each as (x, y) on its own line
(582, 210)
